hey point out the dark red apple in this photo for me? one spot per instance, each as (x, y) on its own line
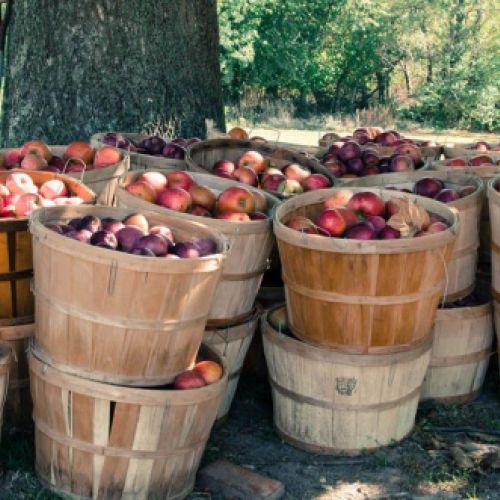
(156, 243)
(428, 187)
(128, 237)
(389, 233)
(332, 222)
(224, 168)
(368, 203)
(447, 196)
(104, 239)
(401, 163)
(315, 181)
(360, 231)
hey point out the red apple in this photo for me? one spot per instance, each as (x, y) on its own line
(128, 237)
(296, 172)
(315, 181)
(106, 156)
(13, 158)
(236, 199)
(37, 147)
(33, 161)
(200, 211)
(175, 198)
(245, 175)
(349, 216)
(155, 179)
(332, 222)
(428, 187)
(360, 231)
(180, 179)
(80, 150)
(456, 162)
(368, 203)
(189, 380)
(437, 227)
(26, 204)
(252, 159)
(389, 233)
(447, 196)
(164, 231)
(203, 197)
(209, 370)
(477, 161)
(272, 181)
(142, 190)
(224, 168)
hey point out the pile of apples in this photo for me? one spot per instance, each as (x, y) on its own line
(153, 145)
(19, 195)
(361, 216)
(477, 161)
(255, 170)
(78, 156)
(133, 235)
(203, 373)
(177, 190)
(437, 189)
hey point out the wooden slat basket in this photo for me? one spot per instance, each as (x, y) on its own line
(116, 317)
(330, 402)
(102, 181)
(460, 354)
(16, 261)
(250, 246)
(232, 343)
(457, 150)
(461, 272)
(18, 405)
(100, 441)
(362, 296)
(140, 161)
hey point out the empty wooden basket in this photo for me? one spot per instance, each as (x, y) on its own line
(117, 317)
(232, 342)
(326, 401)
(461, 272)
(101, 441)
(362, 296)
(250, 247)
(460, 354)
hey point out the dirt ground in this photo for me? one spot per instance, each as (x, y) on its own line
(424, 465)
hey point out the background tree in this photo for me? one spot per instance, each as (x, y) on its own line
(75, 68)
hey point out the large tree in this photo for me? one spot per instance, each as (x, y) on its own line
(77, 67)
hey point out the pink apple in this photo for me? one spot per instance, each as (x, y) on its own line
(224, 168)
(296, 172)
(142, 190)
(155, 179)
(26, 204)
(176, 198)
(55, 188)
(33, 161)
(315, 181)
(19, 183)
(180, 179)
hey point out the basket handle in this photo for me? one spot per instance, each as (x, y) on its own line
(78, 160)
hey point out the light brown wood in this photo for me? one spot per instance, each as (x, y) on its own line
(328, 402)
(232, 342)
(117, 317)
(5, 364)
(18, 406)
(250, 247)
(16, 261)
(496, 317)
(102, 181)
(460, 150)
(201, 157)
(460, 353)
(362, 296)
(102, 441)
(461, 272)
(494, 215)
(140, 161)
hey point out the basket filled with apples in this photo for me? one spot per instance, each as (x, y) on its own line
(125, 442)
(98, 168)
(148, 151)
(279, 171)
(387, 143)
(121, 296)
(485, 165)
(242, 213)
(21, 192)
(463, 192)
(461, 351)
(471, 150)
(361, 265)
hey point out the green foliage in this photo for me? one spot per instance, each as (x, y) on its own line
(436, 58)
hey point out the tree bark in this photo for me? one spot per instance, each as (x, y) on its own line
(79, 67)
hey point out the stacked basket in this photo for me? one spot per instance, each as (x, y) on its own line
(16, 299)
(361, 314)
(463, 333)
(112, 329)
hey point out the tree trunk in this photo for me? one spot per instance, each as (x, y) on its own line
(76, 68)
